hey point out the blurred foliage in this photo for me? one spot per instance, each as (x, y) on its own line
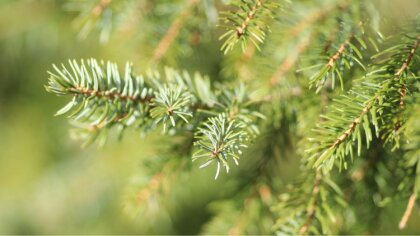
(49, 185)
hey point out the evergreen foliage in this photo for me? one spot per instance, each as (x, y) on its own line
(275, 99)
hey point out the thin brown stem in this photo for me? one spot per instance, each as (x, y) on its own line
(404, 67)
(100, 7)
(403, 89)
(351, 128)
(251, 14)
(409, 57)
(104, 123)
(172, 32)
(291, 59)
(408, 210)
(339, 52)
(302, 46)
(108, 95)
(357, 121)
(310, 211)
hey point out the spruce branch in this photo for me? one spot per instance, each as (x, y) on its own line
(291, 59)
(102, 98)
(248, 23)
(409, 57)
(346, 54)
(170, 102)
(405, 78)
(219, 140)
(411, 165)
(374, 96)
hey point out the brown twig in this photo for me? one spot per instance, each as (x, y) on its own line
(301, 47)
(100, 7)
(108, 95)
(340, 51)
(357, 121)
(251, 14)
(408, 210)
(104, 123)
(172, 32)
(409, 57)
(291, 60)
(351, 128)
(413, 196)
(310, 211)
(403, 89)
(404, 67)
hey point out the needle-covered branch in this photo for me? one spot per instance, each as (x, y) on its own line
(373, 104)
(248, 23)
(102, 98)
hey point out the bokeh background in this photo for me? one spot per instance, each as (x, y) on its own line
(48, 183)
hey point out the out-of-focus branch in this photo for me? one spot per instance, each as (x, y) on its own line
(172, 32)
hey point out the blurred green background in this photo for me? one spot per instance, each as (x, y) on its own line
(48, 184)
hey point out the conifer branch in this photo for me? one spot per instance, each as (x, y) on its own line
(371, 94)
(247, 23)
(220, 138)
(109, 95)
(102, 98)
(222, 119)
(340, 51)
(303, 45)
(343, 56)
(404, 67)
(409, 57)
(240, 30)
(394, 134)
(352, 126)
